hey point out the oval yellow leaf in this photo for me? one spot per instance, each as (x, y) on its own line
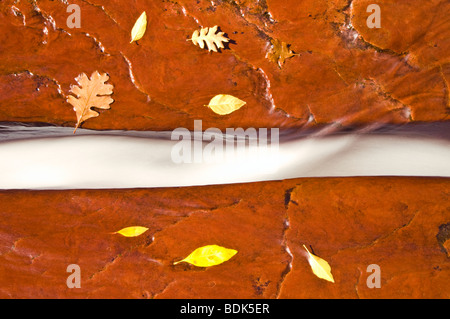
(224, 104)
(139, 27)
(319, 266)
(207, 256)
(132, 231)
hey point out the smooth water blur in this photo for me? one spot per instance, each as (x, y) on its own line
(109, 160)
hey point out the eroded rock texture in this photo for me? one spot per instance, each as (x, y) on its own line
(344, 72)
(400, 224)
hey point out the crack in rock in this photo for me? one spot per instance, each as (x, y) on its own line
(40, 76)
(102, 8)
(442, 236)
(97, 43)
(380, 238)
(288, 197)
(288, 268)
(16, 11)
(265, 17)
(186, 13)
(138, 86)
(49, 20)
(162, 290)
(350, 35)
(267, 89)
(133, 78)
(381, 91)
(267, 95)
(200, 211)
(106, 266)
(446, 88)
(357, 283)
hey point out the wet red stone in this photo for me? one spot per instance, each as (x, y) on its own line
(351, 223)
(345, 72)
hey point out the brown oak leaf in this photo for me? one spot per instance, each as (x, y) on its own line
(91, 93)
(280, 52)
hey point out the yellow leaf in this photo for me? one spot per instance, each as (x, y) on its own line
(224, 104)
(139, 27)
(209, 36)
(320, 267)
(207, 256)
(132, 231)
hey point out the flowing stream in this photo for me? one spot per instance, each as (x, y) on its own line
(49, 157)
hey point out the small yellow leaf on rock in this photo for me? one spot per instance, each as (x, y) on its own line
(320, 267)
(207, 256)
(132, 231)
(224, 104)
(139, 27)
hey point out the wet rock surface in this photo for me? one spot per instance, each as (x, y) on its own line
(343, 72)
(399, 224)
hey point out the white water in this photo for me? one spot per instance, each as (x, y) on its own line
(101, 161)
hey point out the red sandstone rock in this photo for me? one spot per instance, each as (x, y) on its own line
(351, 223)
(344, 71)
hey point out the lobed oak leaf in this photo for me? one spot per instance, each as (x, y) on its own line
(280, 52)
(90, 93)
(210, 37)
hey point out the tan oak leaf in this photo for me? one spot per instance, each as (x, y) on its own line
(210, 37)
(90, 93)
(280, 52)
